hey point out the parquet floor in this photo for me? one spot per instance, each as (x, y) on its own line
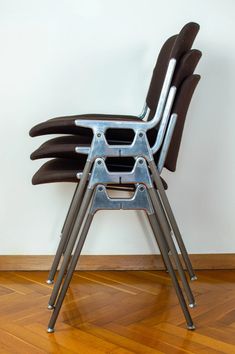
(117, 312)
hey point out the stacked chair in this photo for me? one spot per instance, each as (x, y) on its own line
(101, 152)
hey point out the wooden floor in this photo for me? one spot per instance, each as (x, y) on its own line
(117, 312)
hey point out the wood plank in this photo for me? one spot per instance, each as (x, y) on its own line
(115, 262)
(76, 340)
(129, 344)
(168, 343)
(12, 344)
(32, 338)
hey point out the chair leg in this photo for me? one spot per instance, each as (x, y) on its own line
(165, 245)
(70, 220)
(69, 210)
(69, 273)
(70, 247)
(158, 235)
(166, 233)
(64, 237)
(172, 220)
(74, 211)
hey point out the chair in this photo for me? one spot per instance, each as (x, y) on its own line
(173, 99)
(174, 47)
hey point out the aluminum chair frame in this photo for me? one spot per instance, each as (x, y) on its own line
(140, 174)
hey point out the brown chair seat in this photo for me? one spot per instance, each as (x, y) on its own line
(64, 146)
(66, 125)
(65, 170)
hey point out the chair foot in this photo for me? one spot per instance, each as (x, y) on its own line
(50, 281)
(191, 328)
(193, 278)
(192, 305)
(50, 307)
(50, 330)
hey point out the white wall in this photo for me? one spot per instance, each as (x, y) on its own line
(79, 56)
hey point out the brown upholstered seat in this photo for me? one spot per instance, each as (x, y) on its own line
(65, 170)
(66, 125)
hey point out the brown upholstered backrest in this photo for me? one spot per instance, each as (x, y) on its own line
(184, 40)
(186, 66)
(181, 105)
(174, 47)
(158, 75)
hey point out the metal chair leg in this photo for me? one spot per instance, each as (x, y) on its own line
(158, 235)
(69, 274)
(70, 209)
(166, 233)
(71, 243)
(64, 237)
(70, 220)
(165, 246)
(172, 220)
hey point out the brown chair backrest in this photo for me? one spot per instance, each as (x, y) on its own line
(181, 105)
(173, 48)
(185, 67)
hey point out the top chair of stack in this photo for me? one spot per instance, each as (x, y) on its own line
(174, 48)
(64, 146)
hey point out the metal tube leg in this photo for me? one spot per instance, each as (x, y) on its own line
(164, 226)
(69, 210)
(158, 235)
(70, 219)
(63, 240)
(71, 243)
(172, 220)
(69, 274)
(75, 213)
(165, 244)
(74, 209)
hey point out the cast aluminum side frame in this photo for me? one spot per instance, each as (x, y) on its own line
(139, 147)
